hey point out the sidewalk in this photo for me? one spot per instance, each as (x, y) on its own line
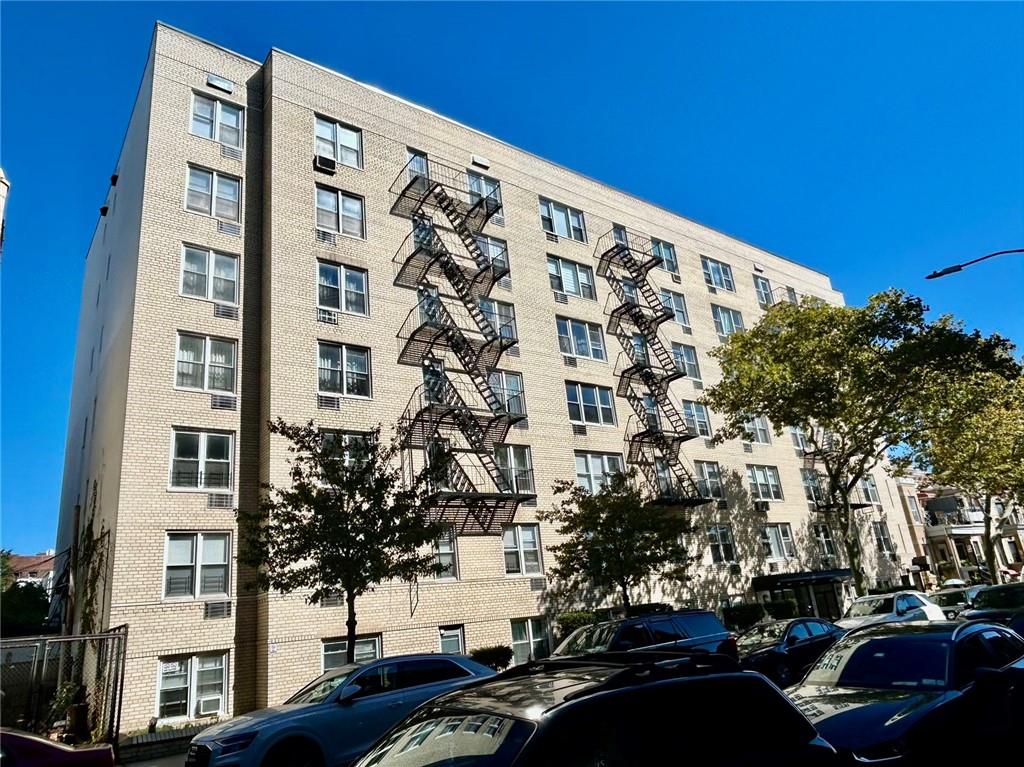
(177, 760)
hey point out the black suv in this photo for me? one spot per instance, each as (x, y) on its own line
(615, 710)
(692, 630)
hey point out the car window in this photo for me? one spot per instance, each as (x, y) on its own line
(949, 598)
(913, 601)
(320, 688)
(817, 628)
(883, 662)
(588, 639)
(413, 673)
(664, 630)
(861, 608)
(632, 635)
(1005, 647)
(373, 681)
(971, 654)
(799, 630)
(700, 624)
(1000, 597)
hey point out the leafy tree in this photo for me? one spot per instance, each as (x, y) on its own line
(616, 538)
(347, 522)
(6, 572)
(858, 381)
(23, 609)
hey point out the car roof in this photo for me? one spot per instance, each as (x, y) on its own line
(1004, 587)
(418, 656)
(934, 630)
(648, 616)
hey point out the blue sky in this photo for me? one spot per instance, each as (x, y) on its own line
(873, 142)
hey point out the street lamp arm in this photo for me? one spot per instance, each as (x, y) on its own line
(958, 267)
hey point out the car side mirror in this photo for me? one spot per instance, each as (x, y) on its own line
(791, 640)
(990, 680)
(349, 693)
(901, 610)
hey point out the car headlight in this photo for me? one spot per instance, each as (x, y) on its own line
(235, 743)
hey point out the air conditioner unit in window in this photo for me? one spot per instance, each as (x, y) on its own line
(213, 610)
(722, 504)
(569, 361)
(579, 430)
(329, 238)
(327, 315)
(735, 569)
(325, 164)
(225, 311)
(761, 506)
(677, 279)
(773, 567)
(231, 152)
(328, 403)
(748, 448)
(210, 706)
(561, 298)
(552, 237)
(226, 227)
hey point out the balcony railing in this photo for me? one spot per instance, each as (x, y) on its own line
(627, 250)
(421, 256)
(429, 183)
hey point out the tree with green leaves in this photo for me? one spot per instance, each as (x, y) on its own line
(616, 538)
(6, 572)
(975, 443)
(348, 521)
(23, 609)
(857, 381)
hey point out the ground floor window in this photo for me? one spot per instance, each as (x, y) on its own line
(529, 640)
(335, 651)
(192, 686)
(453, 639)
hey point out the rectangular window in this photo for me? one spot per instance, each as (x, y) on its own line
(445, 555)
(570, 277)
(915, 509)
(197, 565)
(341, 143)
(791, 296)
(453, 639)
(205, 363)
(799, 437)
(562, 220)
(812, 485)
(882, 540)
(502, 317)
(823, 535)
(758, 431)
(666, 251)
(722, 548)
(335, 651)
(495, 249)
(342, 288)
(869, 490)
(521, 544)
(529, 640)
(777, 541)
(580, 339)
(344, 370)
(677, 303)
(686, 360)
(595, 470)
(709, 479)
(218, 120)
(696, 417)
(764, 483)
(192, 686)
(214, 194)
(590, 404)
(338, 211)
(508, 388)
(763, 288)
(210, 275)
(727, 321)
(201, 460)
(350, 447)
(481, 187)
(717, 274)
(514, 464)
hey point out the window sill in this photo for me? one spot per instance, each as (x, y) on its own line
(206, 300)
(204, 214)
(202, 490)
(197, 600)
(343, 311)
(598, 425)
(339, 395)
(217, 392)
(342, 234)
(218, 141)
(524, 576)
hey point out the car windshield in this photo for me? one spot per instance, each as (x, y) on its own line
(769, 632)
(318, 690)
(883, 662)
(860, 608)
(999, 598)
(449, 737)
(588, 639)
(947, 598)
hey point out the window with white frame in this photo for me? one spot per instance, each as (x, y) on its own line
(709, 479)
(763, 288)
(521, 544)
(629, 288)
(445, 555)
(481, 187)
(343, 369)
(812, 485)
(501, 315)
(192, 686)
(572, 278)
(686, 360)
(883, 543)
(217, 120)
(494, 248)
(342, 143)
(508, 388)
(590, 404)
(453, 639)
(799, 437)
(723, 550)
(823, 535)
(666, 483)
(562, 220)
(696, 417)
(777, 541)
(757, 430)
(514, 464)
(915, 508)
(214, 194)
(580, 339)
(338, 211)
(352, 448)
(201, 460)
(210, 275)
(791, 296)
(529, 640)
(764, 482)
(677, 303)
(341, 288)
(717, 274)
(205, 363)
(197, 565)
(334, 652)
(666, 251)
(595, 470)
(869, 490)
(727, 321)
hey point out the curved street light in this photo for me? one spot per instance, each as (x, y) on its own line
(958, 267)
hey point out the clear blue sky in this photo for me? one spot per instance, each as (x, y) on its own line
(872, 142)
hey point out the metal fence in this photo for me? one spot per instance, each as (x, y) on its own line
(70, 685)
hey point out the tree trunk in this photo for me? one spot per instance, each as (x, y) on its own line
(625, 597)
(851, 541)
(350, 651)
(988, 545)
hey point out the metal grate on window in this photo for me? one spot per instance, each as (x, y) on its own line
(561, 298)
(569, 361)
(513, 352)
(220, 501)
(327, 315)
(328, 403)
(762, 506)
(223, 402)
(538, 584)
(579, 430)
(505, 282)
(328, 238)
(748, 448)
(213, 610)
(722, 504)
(226, 312)
(332, 600)
(226, 227)
(231, 152)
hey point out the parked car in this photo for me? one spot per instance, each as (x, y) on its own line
(336, 717)
(608, 711)
(952, 601)
(926, 691)
(900, 606)
(1004, 604)
(22, 749)
(696, 630)
(784, 650)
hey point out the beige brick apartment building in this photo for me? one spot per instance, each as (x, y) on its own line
(280, 240)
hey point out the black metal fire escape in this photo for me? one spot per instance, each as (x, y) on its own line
(442, 335)
(645, 368)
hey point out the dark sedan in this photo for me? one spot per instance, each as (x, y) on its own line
(1003, 604)
(896, 693)
(784, 650)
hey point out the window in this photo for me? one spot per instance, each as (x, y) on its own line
(812, 485)
(717, 274)
(562, 220)
(201, 460)
(495, 250)
(709, 479)
(799, 437)
(501, 315)
(722, 548)
(214, 194)
(696, 417)
(580, 339)
(915, 508)
(210, 275)
(590, 404)
(595, 470)
(619, 234)
(192, 686)
(823, 535)
(686, 360)
(777, 541)
(791, 296)
(508, 388)
(418, 165)
(521, 544)
(212, 118)
(335, 651)
(350, 447)
(514, 463)
(205, 363)
(869, 490)
(445, 555)
(727, 321)
(882, 540)
(666, 251)
(481, 187)
(529, 640)
(344, 370)
(452, 639)
(197, 565)
(758, 431)
(764, 483)
(763, 288)
(338, 211)
(339, 142)
(342, 288)
(677, 303)
(570, 277)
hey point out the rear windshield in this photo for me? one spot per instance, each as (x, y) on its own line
(1000, 598)
(948, 598)
(885, 662)
(769, 632)
(700, 624)
(318, 690)
(588, 639)
(880, 606)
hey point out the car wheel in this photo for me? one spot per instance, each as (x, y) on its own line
(783, 675)
(951, 615)
(293, 753)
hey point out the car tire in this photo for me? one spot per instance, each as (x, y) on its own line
(783, 675)
(951, 615)
(293, 753)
